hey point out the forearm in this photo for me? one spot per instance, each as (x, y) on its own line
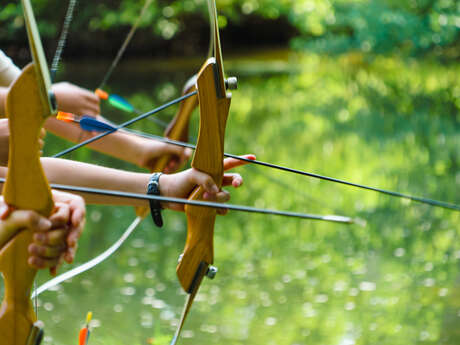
(3, 94)
(74, 173)
(121, 145)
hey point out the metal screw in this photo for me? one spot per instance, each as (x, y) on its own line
(231, 83)
(211, 272)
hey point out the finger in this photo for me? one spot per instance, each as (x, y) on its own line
(174, 150)
(42, 134)
(78, 209)
(73, 236)
(232, 179)
(188, 153)
(92, 110)
(46, 252)
(27, 219)
(69, 255)
(222, 211)
(173, 164)
(230, 163)
(61, 216)
(5, 210)
(204, 180)
(51, 238)
(222, 196)
(40, 263)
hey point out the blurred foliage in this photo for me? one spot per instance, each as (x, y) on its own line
(334, 26)
(393, 124)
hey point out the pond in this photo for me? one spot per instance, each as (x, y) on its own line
(391, 278)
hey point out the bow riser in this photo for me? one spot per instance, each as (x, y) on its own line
(178, 128)
(209, 159)
(26, 187)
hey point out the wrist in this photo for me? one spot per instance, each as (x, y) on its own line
(153, 188)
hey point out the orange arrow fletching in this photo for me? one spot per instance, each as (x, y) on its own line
(68, 117)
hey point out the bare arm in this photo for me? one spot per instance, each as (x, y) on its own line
(179, 185)
(62, 171)
(3, 94)
(122, 145)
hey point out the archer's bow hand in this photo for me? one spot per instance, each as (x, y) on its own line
(73, 99)
(13, 221)
(59, 243)
(180, 185)
(150, 150)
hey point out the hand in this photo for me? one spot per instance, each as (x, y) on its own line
(59, 242)
(73, 99)
(180, 185)
(12, 221)
(151, 150)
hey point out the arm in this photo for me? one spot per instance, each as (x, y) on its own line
(4, 141)
(122, 145)
(3, 94)
(178, 185)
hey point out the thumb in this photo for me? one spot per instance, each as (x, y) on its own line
(204, 180)
(20, 219)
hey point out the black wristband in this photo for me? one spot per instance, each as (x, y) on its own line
(153, 188)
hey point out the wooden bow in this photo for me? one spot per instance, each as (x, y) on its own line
(26, 187)
(214, 103)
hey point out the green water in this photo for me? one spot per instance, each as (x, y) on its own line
(392, 279)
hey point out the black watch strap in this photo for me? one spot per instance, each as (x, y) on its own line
(153, 188)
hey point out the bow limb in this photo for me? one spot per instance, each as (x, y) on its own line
(26, 186)
(178, 127)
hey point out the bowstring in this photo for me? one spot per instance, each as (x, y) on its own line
(62, 38)
(89, 264)
(53, 71)
(124, 45)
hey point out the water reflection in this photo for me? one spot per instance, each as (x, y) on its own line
(395, 281)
